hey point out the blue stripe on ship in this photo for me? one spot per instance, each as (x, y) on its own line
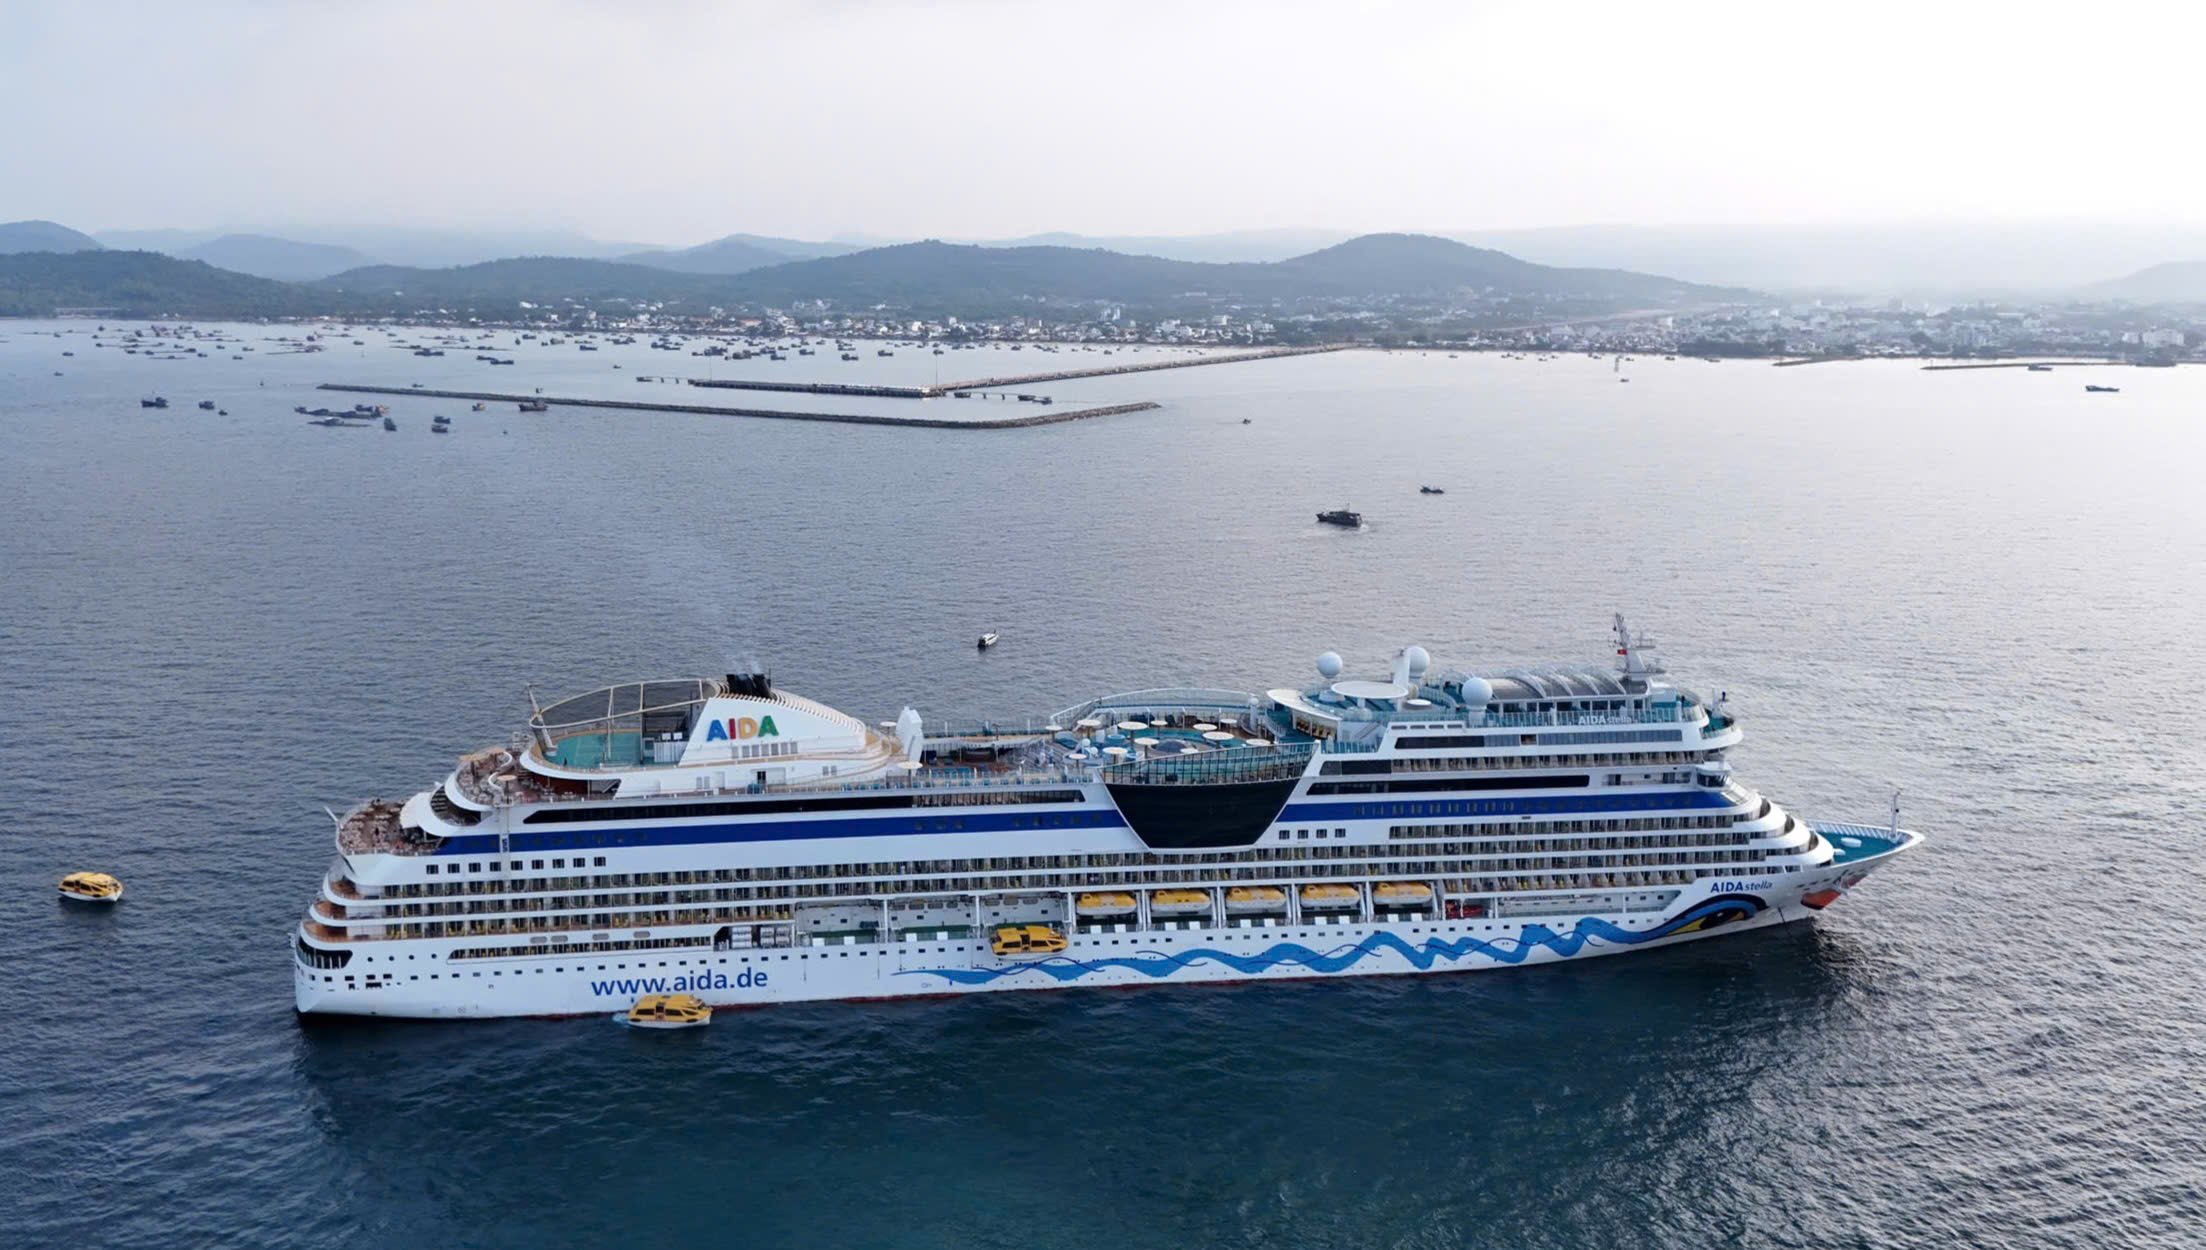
(976, 821)
(1590, 930)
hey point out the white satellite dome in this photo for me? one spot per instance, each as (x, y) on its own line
(1419, 660)
(1477, 691)
(1328, 665)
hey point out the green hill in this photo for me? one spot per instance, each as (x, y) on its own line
(501, 285)
(146, 284)
(43, 236)
(947, 275)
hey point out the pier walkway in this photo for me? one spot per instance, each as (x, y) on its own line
(712, 410)
(1015, 379)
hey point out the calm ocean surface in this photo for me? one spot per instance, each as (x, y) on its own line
(1984, 587)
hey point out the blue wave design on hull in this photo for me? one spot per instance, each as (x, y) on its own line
(1588, 931)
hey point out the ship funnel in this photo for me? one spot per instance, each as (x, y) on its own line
(907, 732)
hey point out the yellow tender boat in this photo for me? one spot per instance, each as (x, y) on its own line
(91, 887)
(1104, 905)
(1402, 892)
(1178, 902)
(1330, 896)
(1255, 898)
(1026, 939)
(667, 1011)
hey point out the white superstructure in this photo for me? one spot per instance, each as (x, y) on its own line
(729, 839)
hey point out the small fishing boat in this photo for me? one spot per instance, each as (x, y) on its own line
(1341, 517)
(666, 1011)
(1431, 490)
(206, 405)
(987, 640)
(157, 401)
(2102, 390)
(533, 405)
(91, 887)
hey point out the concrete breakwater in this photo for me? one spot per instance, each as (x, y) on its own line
(714, 410)
(1015, 379)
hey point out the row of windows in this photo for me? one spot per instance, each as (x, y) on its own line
(599, 885)
(1457, 763)
(728, 904)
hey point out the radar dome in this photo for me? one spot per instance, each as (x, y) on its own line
(1419, 660)
(1328, 665)
(1477, 691)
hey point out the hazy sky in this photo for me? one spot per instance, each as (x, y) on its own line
(675, 123)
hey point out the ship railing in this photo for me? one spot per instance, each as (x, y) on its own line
(1213, 767)
(1235, 703)
(932, 777)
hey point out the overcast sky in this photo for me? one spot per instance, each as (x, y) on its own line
(675, 123)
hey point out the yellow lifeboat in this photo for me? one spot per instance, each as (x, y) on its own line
(1330, 897)
(1178, 903)
(1026, 939)
(667, 1011)
(1104, 905)
(91, 887)
(1402, 893)
(1255, 898)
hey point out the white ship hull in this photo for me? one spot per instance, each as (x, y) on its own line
(1102, 955)
(734, 841)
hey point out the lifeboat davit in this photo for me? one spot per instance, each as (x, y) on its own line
(1178, 903)
(1330, 897)
(1104, 905)
(1243, 899)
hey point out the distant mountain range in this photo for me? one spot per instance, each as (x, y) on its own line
(264, 256)
(954, 275)
(736, 253)
(930, 277)
(2177, 282)
(744, 270)
(1928, 260)
(1255, 246)
(546, 281)
(43, 236)
(145, 284)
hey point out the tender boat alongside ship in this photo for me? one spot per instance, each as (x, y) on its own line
(91, 887)
(726, 839)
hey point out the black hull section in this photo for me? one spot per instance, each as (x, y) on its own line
(1201, 816)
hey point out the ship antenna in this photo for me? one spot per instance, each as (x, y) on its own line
(1631, 665)
(1895, 811)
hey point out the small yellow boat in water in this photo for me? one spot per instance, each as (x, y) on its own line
(91, 887)
(1026, 939)
(666, 1011)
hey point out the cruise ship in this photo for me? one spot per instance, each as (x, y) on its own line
(726, 838)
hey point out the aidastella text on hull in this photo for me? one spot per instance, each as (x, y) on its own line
(728, 839)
